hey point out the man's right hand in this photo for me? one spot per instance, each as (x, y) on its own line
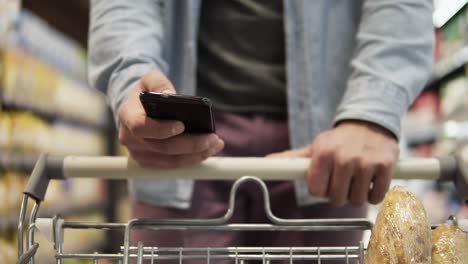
(160, 144)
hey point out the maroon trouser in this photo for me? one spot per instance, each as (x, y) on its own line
(246, 135)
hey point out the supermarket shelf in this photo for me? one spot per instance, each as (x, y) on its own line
(17, 161)
(11, 221)
(51, 117)
(449, 66)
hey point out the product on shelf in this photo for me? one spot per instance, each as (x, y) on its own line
(7, 251)
(420, 124)
(29, 134)
(74, 101)
(37, 38)
(70, 140)
(4, 206)
(66, 195)
(30, 84)
(11, 186)
(452, 36)
(15, 182)
(454, 105)
(43, 71)
(26, 133)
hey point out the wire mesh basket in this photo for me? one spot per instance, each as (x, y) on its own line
(53, 229)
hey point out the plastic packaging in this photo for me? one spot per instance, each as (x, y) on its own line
(402, 233)
(9, 10)
(449, 245)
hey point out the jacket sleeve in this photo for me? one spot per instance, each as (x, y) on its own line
(125, 42)
(392, 61)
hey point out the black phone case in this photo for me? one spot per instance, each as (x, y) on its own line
(195, 112)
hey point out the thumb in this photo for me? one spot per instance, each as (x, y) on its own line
(156, 81)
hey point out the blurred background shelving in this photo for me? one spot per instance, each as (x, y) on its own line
(439, 114)
(46, 105)
(437, 122)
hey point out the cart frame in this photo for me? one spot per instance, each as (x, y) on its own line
(51, 167)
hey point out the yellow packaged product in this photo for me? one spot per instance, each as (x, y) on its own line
(15, 187)
(12, 64)
(7, 252)
(5, 131)
(4, 209)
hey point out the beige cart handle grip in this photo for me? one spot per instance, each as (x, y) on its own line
(219, 168)
(226, 168)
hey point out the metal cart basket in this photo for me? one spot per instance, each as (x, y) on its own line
(58, 168)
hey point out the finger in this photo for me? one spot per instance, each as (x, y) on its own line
(127, 139)
(360, 183)
(143, 126)
(338, 192)
(184, 144)
(133, 116)
(381, 182)
(318, 174)
(132, 142)
(151, 160)
(156, 81)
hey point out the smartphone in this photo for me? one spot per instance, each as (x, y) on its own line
(195, 112)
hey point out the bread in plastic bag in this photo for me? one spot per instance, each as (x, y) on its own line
(449, 245)
(402, 233)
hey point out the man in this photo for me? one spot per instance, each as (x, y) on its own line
(329, 79)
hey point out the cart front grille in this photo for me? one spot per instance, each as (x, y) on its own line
(240, 255)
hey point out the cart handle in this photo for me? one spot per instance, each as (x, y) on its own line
(227, 168)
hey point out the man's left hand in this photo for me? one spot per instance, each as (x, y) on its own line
(352, 162)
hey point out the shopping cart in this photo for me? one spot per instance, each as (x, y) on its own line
(58, 168)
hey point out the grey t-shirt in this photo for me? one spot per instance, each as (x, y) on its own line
(241, 55)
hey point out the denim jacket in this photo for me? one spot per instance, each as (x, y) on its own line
(345, 59)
